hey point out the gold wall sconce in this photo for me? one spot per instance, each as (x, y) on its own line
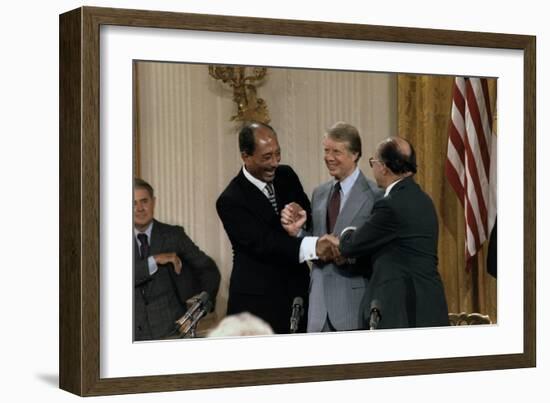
(249, 106)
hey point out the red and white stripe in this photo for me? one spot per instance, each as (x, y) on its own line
(471, 159)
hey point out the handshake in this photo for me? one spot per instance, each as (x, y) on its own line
(293, 218)
(327, 249)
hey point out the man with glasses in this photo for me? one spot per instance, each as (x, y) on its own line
(337, 286)
(400, 239)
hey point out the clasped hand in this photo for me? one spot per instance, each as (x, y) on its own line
(327, 249)
(165, 258)
(293, 218)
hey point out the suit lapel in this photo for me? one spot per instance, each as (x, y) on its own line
(279, 187)
(157, 238)
(354, 203)
(137, 255)
(255, 198)
(320, 209)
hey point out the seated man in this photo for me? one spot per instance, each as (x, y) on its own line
(168, 269)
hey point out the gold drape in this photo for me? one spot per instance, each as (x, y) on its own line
(424, 109)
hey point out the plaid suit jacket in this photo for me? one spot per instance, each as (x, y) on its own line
(159, 299)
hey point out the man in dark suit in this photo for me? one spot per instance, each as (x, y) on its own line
(168, 269)
(267, 275)
(400, 239)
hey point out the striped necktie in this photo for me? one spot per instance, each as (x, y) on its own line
(271, 196)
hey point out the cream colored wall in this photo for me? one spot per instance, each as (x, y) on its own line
(189, 150)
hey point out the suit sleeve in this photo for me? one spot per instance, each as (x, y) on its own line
(247, 232)
(303, 201)
(204, 271)
(379, 229)
(307, 229)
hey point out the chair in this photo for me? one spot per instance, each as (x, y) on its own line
(463, 318)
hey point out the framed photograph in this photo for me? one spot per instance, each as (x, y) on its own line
(104, 55)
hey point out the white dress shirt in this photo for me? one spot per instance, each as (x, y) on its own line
(309, 243)
(256, 182)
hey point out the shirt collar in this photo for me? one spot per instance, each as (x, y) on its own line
(255, 181)
(147, 231)
(348, 182)
(390, 187)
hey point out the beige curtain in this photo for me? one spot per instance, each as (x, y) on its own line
(186, 146)
(424, 106)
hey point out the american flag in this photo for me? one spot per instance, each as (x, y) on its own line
(471, 160)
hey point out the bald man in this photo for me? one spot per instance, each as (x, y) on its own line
(400, 240)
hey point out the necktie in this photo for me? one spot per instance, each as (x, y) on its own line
(333, 208)
(271, 196)
(144, 247)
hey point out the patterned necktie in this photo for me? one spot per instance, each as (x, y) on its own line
(144, 247)
(271, 196)
(333, 208)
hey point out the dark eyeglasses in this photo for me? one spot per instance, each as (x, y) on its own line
(371, 160)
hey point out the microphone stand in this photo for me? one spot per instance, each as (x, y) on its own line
(297, 313)
(191, 331)
(375, 315)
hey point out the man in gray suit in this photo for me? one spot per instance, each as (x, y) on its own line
(337, 286)
(168, 269)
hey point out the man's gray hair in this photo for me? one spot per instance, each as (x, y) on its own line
(141, 184)
(344, 132)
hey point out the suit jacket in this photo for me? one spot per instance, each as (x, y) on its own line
(266, 274)
(400, 237)
(338, 291)
(159, 299)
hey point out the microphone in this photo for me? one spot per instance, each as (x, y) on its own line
(200, 300)
(297, 313)
(202, 312)
(375, 314)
